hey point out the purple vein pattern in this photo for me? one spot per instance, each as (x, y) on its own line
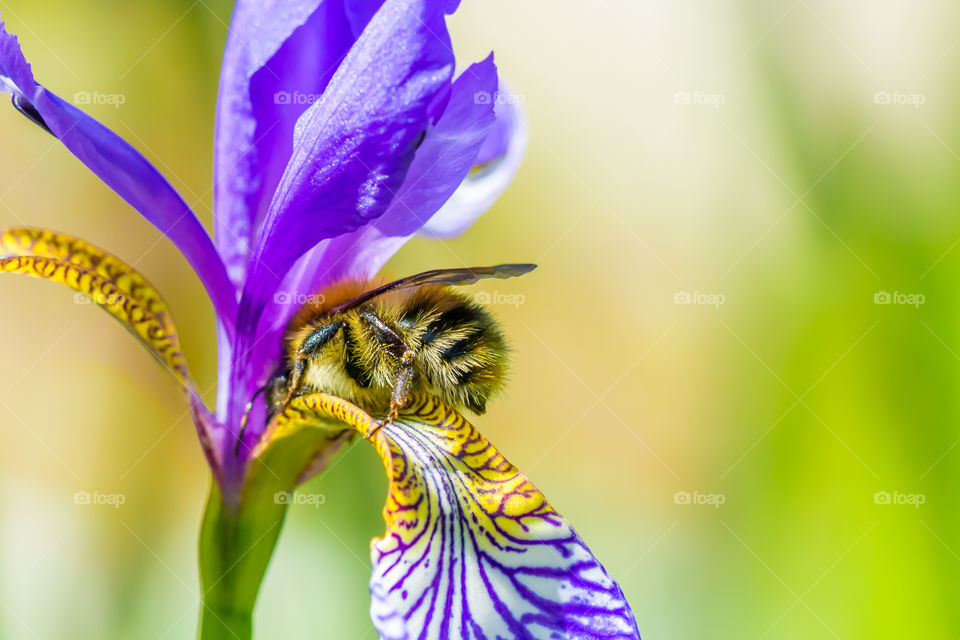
(473, 550)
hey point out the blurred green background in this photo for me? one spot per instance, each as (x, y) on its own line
(748, 465)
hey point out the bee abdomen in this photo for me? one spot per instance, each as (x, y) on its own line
(464, 355)
(450, 320)
(464, 346)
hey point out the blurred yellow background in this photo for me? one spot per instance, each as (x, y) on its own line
(736, 369)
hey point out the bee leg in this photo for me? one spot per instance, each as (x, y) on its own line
(310, 347)
(246, 418)
(398, 398)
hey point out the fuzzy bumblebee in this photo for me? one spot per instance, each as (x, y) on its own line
(372, 345)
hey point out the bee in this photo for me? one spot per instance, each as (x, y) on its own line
(371, 345)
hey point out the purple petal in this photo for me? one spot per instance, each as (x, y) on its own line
(473, 550)
(277, 61)
(15, 73)
(122, 168)
(442, 161)
(509, 113)
(498, 161)
(213, 435)
(351, 149)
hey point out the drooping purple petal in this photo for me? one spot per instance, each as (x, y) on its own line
(472, 550)
(122, 168)
(352, 149)
(277, 62)
(498, 162)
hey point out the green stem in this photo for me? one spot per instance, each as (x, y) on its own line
(225, 625)
(236, 543)
(238, 537)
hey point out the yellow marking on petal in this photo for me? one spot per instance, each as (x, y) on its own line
(472, 549)
(105, 280)
(30, 241)
(314, 426)
(308, 411)
(498, 489)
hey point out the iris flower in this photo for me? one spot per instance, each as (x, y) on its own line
(341, 131)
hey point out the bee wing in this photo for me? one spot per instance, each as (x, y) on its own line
(455, 277)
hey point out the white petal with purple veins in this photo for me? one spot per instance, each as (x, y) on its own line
(473, 550)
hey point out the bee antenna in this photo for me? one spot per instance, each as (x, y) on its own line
(246, 418)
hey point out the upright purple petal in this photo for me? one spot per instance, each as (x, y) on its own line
(351, 151)
(277, 62)
(498, 162)
(122, 168)
(442, 161)
(446, 156)
(440, 197)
